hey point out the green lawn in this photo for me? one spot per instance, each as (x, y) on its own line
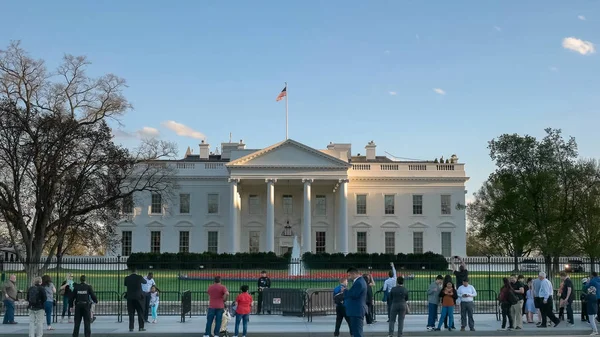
(109, 284)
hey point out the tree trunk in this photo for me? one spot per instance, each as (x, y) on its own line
(516, 262)
(555, 265)
(592, 264)
(548, 264)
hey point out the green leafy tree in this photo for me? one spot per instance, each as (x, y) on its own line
(587, 225)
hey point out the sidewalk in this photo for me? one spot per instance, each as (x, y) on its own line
(275, 326)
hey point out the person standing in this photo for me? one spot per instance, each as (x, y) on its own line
(592, 308)
(516, 309)
(146, 288)
(584, 297)
(264, 282)
(66, 291)
(83, 297)
(529, 301)
(460, 273)
(217, 295)
(49, 305)
(135, 297)
(399, 299)
(36, 296)
(369, 300)
(595, 282)
(567, 296)
(447, 279)
(449, 296)
(467, 294)
(243, 304)
(9, 289)
(537, 300)
(433, 299)
(154, 302)
(387, 287)
(340, 311)
(507, 299)
(546, 295)
(355, 300)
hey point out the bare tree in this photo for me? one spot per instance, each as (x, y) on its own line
(61, 174)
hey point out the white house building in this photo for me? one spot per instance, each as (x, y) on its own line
(244, 200)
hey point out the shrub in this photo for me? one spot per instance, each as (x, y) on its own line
(427, 261)
(194, 261)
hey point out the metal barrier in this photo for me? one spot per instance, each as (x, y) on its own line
(290, 302)
(319, 303)
(186, 305)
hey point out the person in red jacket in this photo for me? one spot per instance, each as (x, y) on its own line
(243, 304)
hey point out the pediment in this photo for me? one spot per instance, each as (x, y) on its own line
(184, 223)
(292, 154)
(361, 225)
(418, 225)
(446, 225)
(390, 224)
(155, 224)
(254, 224)
(320, 224)
(212, 224)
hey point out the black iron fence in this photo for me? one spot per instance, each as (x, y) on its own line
(295, 290)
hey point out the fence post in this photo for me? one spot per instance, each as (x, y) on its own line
(119, 296)
(489, 272)
(57, 281)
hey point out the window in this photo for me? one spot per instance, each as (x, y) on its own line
(361, 242)
(321, 240)
(156, 207)
(254, 244)
(446, 200)
(389, 204)
(417, 242)
(213, 242)
(184, 242)
(447, 244)
(390, 243)
(184, 203)
(128, 205)
(288, 204)
(126, 241)
(155, 242)
(213, 203)
(361, 204)
(253, 204)
(321, 205)
(417, 204)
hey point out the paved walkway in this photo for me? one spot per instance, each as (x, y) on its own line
(276, 326)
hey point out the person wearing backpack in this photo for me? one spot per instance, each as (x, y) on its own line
(507, 299)
(36, 296)
(340, 310)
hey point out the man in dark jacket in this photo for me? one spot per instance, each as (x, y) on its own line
(355, 302)
(36, 296)
(135, 299)
(82, 298)
(263, 283)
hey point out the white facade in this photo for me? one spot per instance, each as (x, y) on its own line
(258, 200)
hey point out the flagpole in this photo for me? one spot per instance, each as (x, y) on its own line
(286, 111)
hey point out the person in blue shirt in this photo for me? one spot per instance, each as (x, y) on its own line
(340, 310)
(583, 297)
(595, 282)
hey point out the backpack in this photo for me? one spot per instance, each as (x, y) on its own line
(34, 297)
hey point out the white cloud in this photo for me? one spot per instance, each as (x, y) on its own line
(580, 46)
(393, 93)
(497, 28)
(581, 17)
(439, 91)
(183, 130)
(553, 68)
(144, 132)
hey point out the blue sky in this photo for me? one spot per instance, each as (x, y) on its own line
(357, 70)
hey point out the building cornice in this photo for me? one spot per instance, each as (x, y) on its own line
(447, 179)
(310, 167)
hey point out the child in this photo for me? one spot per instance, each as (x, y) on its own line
(529, 303)
(592, 308)
(154, 302)
(584, 292)
(242, 312)
(449, 296)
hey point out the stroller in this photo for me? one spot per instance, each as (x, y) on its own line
(224, 321)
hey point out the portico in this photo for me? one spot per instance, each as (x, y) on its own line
(283, 169)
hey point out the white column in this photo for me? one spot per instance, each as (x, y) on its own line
(343, 216)
(234, 233)
(270, 233)
(306, 230)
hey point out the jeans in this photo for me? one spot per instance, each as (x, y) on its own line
(36, 323)
(146, 306)
(449, 313)
(9, 315)
(66, 307)
(48, 305)
(569, 308)
(213, 315)
(154, 311)
(506, 314)
(431, 314)
(466, 312)
(593, 323)
(244, 319)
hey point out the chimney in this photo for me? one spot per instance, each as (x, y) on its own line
(370, 149)
(241, 145)
(204, 150)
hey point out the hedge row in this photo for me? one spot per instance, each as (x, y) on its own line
(195, 261)
(426, 261)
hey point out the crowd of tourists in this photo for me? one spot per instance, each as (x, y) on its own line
(520, 300)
